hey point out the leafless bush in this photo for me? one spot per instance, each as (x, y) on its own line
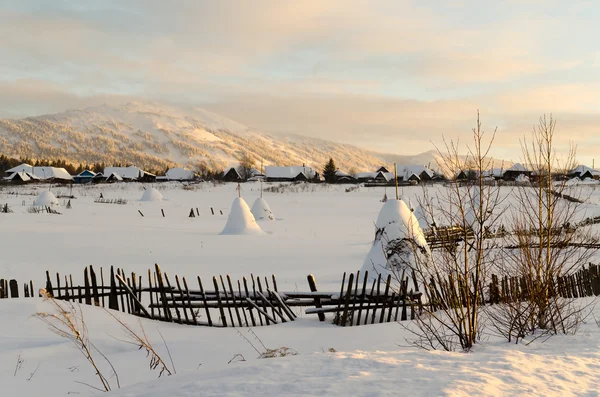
(545, 243)
(452, 318)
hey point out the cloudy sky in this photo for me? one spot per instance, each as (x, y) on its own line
(392, 75)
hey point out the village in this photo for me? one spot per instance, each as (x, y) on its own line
(402, 174)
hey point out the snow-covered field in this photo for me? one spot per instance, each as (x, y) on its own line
(321, 230)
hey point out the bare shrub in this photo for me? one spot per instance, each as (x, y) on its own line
(454, 278)
(545, 243)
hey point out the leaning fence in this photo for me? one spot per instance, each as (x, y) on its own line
(257, 301)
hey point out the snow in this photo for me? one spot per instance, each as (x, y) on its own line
(321, 230)
(261, 210)
(151, 195)
(241, 220)
(365, 361)
(45, 198)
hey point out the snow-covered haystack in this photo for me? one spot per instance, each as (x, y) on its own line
(261, 210)
(151, 195)
(45, 199)
(241, 220)
(399, 248)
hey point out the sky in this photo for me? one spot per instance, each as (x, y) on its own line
(390, 75)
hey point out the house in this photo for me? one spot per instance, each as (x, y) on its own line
(232, 175)
(114, 177)
(382, 169)
(20, 178)
(43, 173)
(84, 177)
(461, 175)
(414, 173)
(180, 174)
(379, 176)
(342, 177)
(99, 177)
(495, 173)
(582, 172)
(289, 174)
(514, 171)
(130, 173)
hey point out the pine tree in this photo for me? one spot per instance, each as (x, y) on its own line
(329, 171)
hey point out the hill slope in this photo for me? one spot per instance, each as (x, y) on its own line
(159, 136)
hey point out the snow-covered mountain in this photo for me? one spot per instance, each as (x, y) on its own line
(158, 136)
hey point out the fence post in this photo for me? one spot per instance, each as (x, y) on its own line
(313, 288)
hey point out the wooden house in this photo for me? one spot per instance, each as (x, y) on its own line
(130, 174)
(514, 171)
(84, 177)
(232, 175)
(289, 174)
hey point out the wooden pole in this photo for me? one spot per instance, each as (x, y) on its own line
(396, 179)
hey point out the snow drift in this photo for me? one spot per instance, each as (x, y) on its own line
(45, 198)
(261, 210)
(241, 220)
(151, 195)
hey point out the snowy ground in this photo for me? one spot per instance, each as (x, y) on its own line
(324, 231)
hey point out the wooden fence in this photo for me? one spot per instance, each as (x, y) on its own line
(256, 301)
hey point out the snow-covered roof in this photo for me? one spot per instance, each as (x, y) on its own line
(405, 171)
(42, 172)
(388, 176)
(87, 173)
(582, 169)
(494, 172)
(179, 174)
(365, 175)
(518, 167)
(115, 176)
(339, 173)
(288, 172)
(131, 172)
(25, 177)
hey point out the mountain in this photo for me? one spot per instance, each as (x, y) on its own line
(157, 136)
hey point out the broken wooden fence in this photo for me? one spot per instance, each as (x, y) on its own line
(366, 301)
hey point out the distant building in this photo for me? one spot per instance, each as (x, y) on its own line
(582, 172)
(514, 171)
(416, 173)
(289, 174)
(20, 178)
(180, 174)
(130, 173)
(232, 175)
(84, 177)
(43, 173)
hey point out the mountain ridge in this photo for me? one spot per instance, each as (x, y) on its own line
(158, 136)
